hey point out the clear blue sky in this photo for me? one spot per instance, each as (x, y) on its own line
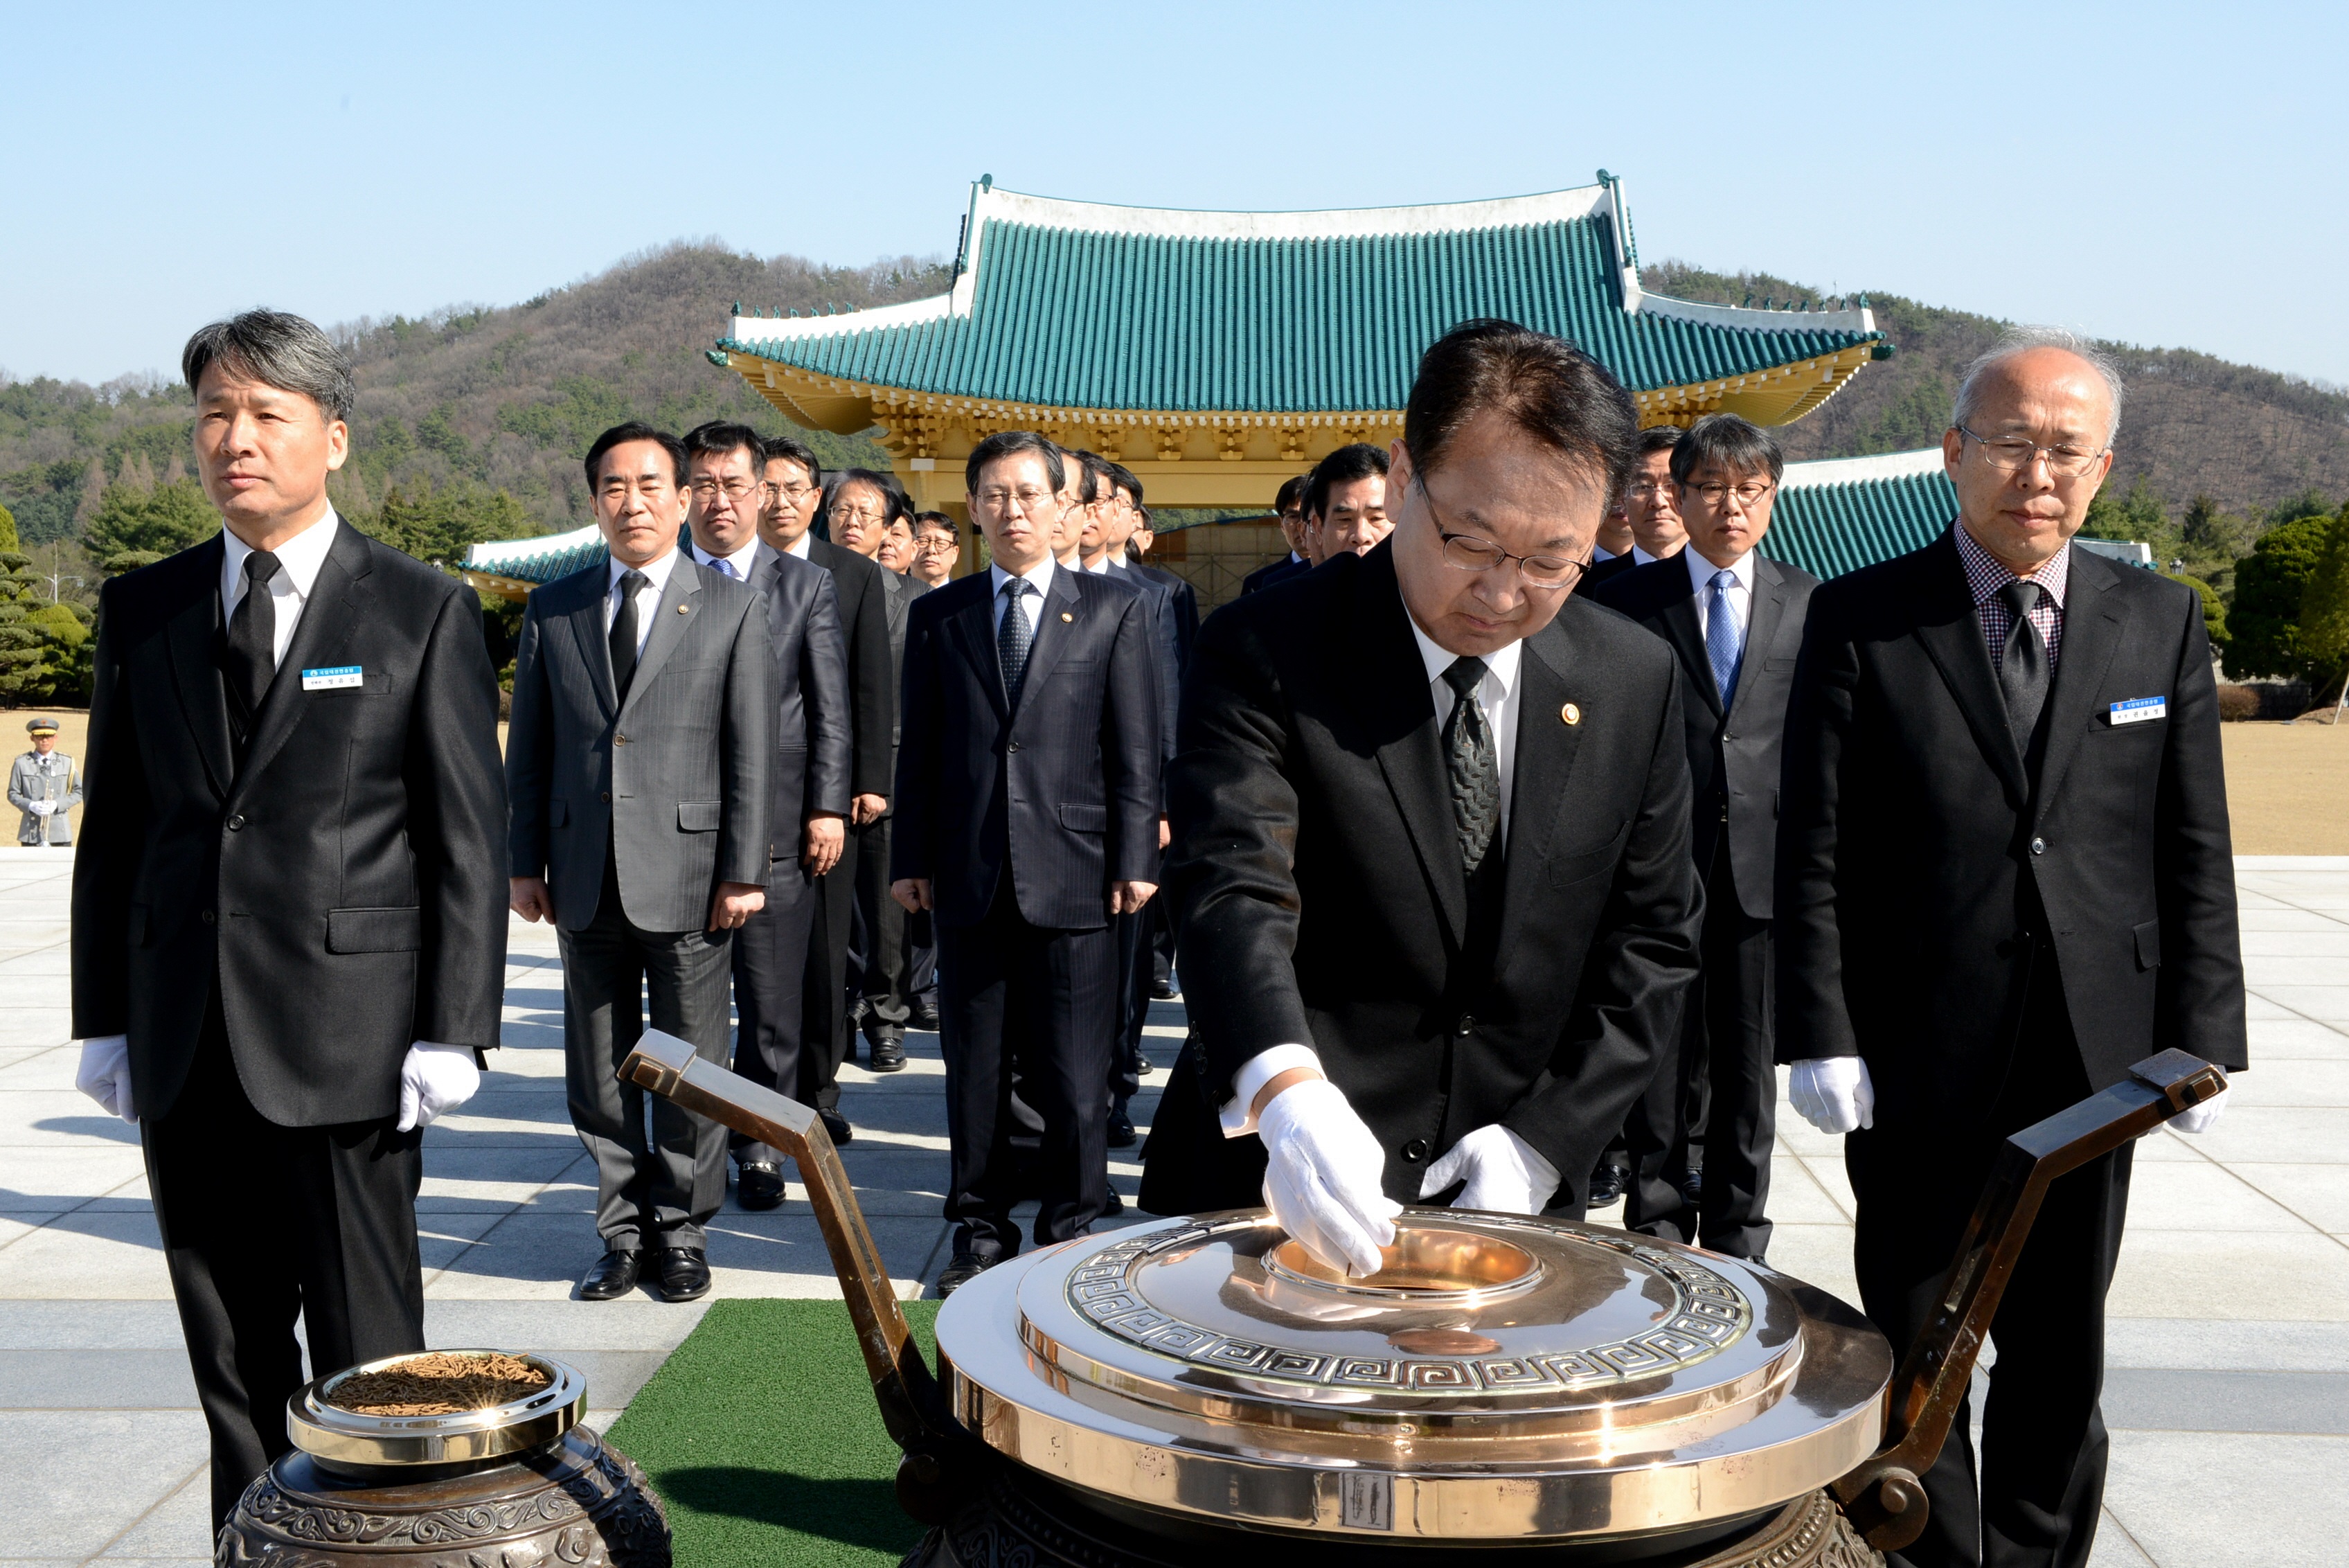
(2161, 174)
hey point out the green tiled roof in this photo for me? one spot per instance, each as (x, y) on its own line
(539, 560)
(1844, 513)
(1067, 304)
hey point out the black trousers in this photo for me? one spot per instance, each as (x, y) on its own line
(770, 965)
(1727, 1031)
(881, 955)
(1134, 975)
(823, 1040)
(2041, 1470)
(656, 1190)
(1045, 1000)
(263, 1224)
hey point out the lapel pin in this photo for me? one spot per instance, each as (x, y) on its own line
(682, 609)
(1570, 714)
(1066, 615)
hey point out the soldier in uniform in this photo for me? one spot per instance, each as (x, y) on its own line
(45, 785)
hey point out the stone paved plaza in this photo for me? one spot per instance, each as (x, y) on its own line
(2228, 1390)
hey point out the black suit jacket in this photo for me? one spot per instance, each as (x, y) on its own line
(1060, 794)
(1289, 565)
(1916, 858)
(346, 885)
(1733, 756)
(813, 727)
(1321, 902)
(1184, 602)
(1606, 571)
(1167, 648)
(871, 675)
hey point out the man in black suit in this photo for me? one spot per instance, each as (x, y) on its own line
(2003, 877)
(1649, 511)
(807, 822)
(1734, 618)
(1346, 502)
(1027, 822)
(1289, 507)
(639, 762)
(1430, 837)
(793, 497)
(288, 941)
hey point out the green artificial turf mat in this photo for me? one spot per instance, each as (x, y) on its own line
(761, 1436)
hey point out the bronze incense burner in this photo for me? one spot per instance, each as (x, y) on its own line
(517, 1485)
(1559, 1393)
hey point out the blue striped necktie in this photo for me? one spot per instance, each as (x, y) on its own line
(1725, 639)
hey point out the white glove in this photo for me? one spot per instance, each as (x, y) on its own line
(2201, 1118)
(1833, 1094)
(44, 808)
(435, 1078)
(1502, 1172)
(1321, 1180)
(105, 1075)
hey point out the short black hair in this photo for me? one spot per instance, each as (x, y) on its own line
(791, 449)
(1010, 443)
(1658, 437)
(634, 430)
(1358, 461)
(1123, 477)
(1091, 470)
(716, 438)
(1292, 494)
(1739, 445)
(287, 352)
(1544, 385)
(935, 520)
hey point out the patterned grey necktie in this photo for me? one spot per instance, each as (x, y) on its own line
(1475, 769)
(2022, 666)
(1013, 637)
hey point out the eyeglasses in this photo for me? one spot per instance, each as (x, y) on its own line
(1748, 495)
(1648, 489)
(867, 516)
(1466, 553)
(1030, 498)
(708, 490)
(2012, 456)
(795, 493)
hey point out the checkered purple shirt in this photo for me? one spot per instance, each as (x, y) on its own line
(1986, 574)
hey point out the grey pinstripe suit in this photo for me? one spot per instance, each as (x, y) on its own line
(635, 810)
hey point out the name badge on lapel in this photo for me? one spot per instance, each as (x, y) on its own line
(338, 678)
(2139, 711)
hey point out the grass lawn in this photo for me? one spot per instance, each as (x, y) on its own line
(761, 1436)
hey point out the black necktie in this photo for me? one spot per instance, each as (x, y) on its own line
(1013, 637)
(253, 639)
(1476, 770)
(624, 633)
(2023, 668)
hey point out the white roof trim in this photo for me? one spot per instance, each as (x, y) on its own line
(775, 329)
(1859, 470)
(488, 558)
(1100, 217)
(1858, 318)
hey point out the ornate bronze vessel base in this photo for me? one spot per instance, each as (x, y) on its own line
(574, 1502)
(1022, 1522)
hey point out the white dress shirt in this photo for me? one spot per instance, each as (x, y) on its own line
(741, 560)
(1030, 604)
(800, 546)
(1601, 552)
(1641, 557)
(648, 598)
(1741, 595)
(299, 562)
(1499, 692)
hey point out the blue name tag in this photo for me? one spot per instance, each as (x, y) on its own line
(339, 678)
(2139, 710)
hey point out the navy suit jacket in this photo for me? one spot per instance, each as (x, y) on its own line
(1281, 571)
(1060, 793)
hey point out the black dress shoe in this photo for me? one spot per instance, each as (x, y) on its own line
(923, 1017)
(1692, 1186)
(837, 1126)
(965, 1268)
(1143, 1068)
(758, 1185)
(684, 1273)
(1162, 990)
(1116, 1204)
(1606, 1184)
(612, 1276)
(1121, 1130)
(888, 1054)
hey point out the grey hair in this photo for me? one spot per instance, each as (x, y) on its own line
(278, 351)
(2017, 340)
